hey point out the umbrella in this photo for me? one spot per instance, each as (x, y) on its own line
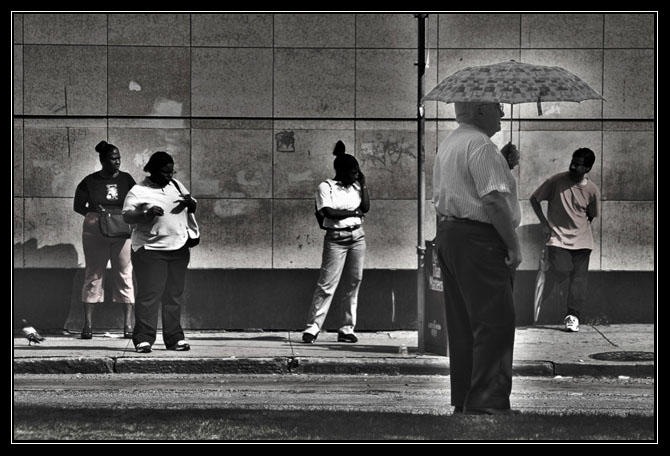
(539, 284)
(512, 82)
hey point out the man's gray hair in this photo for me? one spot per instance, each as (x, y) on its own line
(465, 110)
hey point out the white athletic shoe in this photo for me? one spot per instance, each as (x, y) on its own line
(571, 323)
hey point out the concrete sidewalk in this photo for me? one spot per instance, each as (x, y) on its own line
(607, 350)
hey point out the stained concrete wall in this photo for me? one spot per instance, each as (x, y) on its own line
(250, 106)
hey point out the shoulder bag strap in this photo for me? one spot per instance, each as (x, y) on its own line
(177, 185)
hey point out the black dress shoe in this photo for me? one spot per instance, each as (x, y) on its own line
(342, 337)
(309, 338)
(458, 409)
(87, 333)
(490, 411)
(128, 332)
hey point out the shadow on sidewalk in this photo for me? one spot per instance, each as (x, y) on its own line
(551, 328)
(261, 338)
(74, 348)
(358, 348)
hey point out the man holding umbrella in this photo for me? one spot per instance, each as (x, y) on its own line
(475, 196)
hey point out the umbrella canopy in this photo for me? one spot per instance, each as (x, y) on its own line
(512, 82)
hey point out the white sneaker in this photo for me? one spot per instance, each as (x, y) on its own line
(571, 323)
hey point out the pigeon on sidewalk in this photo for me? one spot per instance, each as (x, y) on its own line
(30, 333)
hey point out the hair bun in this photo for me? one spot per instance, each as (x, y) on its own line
(340, 149)
(101, 147)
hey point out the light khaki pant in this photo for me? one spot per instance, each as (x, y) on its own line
(98, 251)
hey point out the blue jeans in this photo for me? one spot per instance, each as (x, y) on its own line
(342, 261)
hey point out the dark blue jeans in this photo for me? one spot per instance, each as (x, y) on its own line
(160, 279)
(568, 268)
(480, 314)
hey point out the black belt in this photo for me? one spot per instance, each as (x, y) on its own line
(449, 218)
(346, 228)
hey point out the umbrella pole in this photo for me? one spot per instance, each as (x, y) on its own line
(511, 122)
(421, 190)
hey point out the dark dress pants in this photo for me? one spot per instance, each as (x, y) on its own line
(160, 279)
(480, 314)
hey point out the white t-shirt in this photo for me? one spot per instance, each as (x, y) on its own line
(467, 167)
(333, 194)
(167, 232)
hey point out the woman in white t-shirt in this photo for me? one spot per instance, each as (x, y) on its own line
(158, 207)
(342, 201)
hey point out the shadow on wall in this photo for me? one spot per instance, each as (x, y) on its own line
(40, 292)
(49, 256)
(532, 237)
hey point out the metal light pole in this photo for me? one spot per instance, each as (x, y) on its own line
(421, 178)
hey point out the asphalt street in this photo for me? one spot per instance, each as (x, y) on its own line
(419, 394)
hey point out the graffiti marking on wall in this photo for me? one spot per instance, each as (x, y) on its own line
(285, 141)
(386, 153)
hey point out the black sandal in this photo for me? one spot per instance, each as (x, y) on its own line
(87, 333)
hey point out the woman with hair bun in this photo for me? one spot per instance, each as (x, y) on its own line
(343, 201)
(159, 207)
(107, 188)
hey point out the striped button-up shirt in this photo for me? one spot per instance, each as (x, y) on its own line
(467, 167)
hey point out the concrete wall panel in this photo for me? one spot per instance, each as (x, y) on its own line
(315, 30)
(561, 30)
(232, 163)
(296, 236)
(629, 82)
(17, 80)
(629, 165)
(314, 83)
(234, 233)
(232, 30)
(149, 29)
(17, 28)
(628, 239)
(479, 31)
(58, 156)
(390, 230)
(386, 83)
(63, 28)
(630, 31)
(232, 82)
(17, 159)
(65, 80)
(149, 81)
(393, 31)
